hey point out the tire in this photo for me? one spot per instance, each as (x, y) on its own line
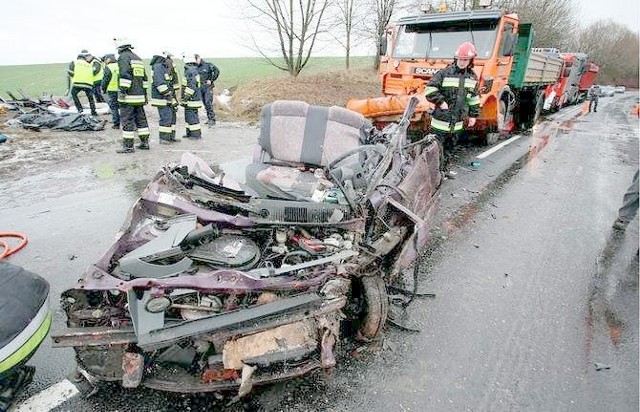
(376, 307)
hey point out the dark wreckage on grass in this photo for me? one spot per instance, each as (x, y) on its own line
(216, 286)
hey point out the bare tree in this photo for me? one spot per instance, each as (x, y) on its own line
(348, 15)
(554, 22)
(294, 25)
(383, 12)
(614, 47)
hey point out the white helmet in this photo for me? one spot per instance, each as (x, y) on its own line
(166, 54)
(122, 42)
(189, 58)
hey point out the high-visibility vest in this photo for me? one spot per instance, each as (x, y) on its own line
(113, 82)
(82, 74)
(97, 78)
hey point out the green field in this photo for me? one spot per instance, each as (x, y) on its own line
(38, 79)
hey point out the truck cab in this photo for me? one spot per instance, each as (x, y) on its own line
(511, 77)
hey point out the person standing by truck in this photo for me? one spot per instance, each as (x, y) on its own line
(594, 94)
(454, 92)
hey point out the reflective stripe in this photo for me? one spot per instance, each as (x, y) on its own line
(124, 83)
(189, 91)
(167, 76)
(440, 125)
(470, 83)
(30, 345)
(158, 102)
(143, 131)
(474, 101)
(145, 84)
(128, 135)
(162, 88)
(450, 84)
(446, 126)
(132, 99)
(430, 90)
(23, 337)
(165, 129)
(194, 104)
(194, 127)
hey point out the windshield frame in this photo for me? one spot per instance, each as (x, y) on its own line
(416, 41)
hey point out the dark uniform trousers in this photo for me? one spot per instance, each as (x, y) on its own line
(112, 100)
(133, 118)
(167, 126)
(207, 99)
(193, 122)
(88, 92)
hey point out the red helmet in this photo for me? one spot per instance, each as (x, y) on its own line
(466, 51)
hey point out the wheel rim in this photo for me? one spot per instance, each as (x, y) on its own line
(376, 306)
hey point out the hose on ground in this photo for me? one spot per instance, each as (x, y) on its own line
(5, 249)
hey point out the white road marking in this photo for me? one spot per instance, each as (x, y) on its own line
(516, 137)
(498, 147)
(49, 398)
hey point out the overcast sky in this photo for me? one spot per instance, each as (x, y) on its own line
(52, 31)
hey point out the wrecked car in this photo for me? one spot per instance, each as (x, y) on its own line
(219, 282)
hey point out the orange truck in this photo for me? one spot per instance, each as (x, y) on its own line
(513, 77)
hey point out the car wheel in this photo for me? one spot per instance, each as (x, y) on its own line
(376, 307)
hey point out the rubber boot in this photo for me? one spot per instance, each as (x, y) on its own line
(144, 143)
(127, 146)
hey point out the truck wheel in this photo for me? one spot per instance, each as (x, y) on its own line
(376, 307)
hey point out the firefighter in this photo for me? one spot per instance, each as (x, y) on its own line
(594, 94)
(191, 99)
(98, 69)
(80, 79)
(177, 85)
(110, 87)
(132, 96)
(208, 74)
(454, 92)
(24, 325)
(163, 95)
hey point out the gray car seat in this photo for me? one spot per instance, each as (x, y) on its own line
(296, 139)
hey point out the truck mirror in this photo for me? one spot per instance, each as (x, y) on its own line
(382, 48)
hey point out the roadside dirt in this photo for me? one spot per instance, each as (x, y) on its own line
(27, 152)
(329, 88)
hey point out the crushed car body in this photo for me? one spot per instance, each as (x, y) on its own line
(219, 284)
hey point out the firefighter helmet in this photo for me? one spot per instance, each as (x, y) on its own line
(466, 51)
(189, 58)
(122, 43)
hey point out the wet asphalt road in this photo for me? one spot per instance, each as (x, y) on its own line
(532, 286)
